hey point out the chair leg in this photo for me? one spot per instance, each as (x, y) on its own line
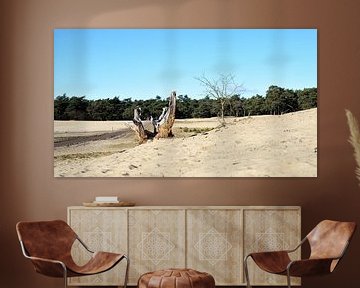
(65, 276)
(246, 272)
(127, 271)
(288, 278)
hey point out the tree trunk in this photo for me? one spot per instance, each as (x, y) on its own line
(222, 112)
(162, 127)
(165, 123)
(139, 129)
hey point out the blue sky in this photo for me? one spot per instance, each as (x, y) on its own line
(143, 63)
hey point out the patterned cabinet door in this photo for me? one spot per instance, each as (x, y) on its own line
(156, 240)
(269, 230)
(214, 244)
(101, 230)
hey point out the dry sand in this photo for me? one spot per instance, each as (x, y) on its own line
(258, 146)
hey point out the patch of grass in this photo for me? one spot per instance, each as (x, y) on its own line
(60, 139)
(76, 156)
(196, 130)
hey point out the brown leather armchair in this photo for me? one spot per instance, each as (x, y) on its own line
(328, 242)
(48, 245)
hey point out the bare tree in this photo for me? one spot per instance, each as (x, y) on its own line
(221, 89)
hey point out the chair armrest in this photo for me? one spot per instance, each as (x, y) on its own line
(298, 246)
(268, 253)
(84, 245)
(280, 251)
(48, 267)
(45, 260)
(309, 267)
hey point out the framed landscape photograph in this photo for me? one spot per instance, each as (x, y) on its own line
(185, 103)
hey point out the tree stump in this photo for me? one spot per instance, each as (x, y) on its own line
(162, 127)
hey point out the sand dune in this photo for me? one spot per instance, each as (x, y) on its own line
(259, 146)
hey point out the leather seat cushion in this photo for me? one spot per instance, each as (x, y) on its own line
(176, 278)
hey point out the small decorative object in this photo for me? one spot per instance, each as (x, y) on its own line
(108, 201)
(354, 139)
(104, 204)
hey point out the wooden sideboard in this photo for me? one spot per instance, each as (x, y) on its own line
(211, 239)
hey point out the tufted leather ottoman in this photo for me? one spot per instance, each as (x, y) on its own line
(176, 278)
